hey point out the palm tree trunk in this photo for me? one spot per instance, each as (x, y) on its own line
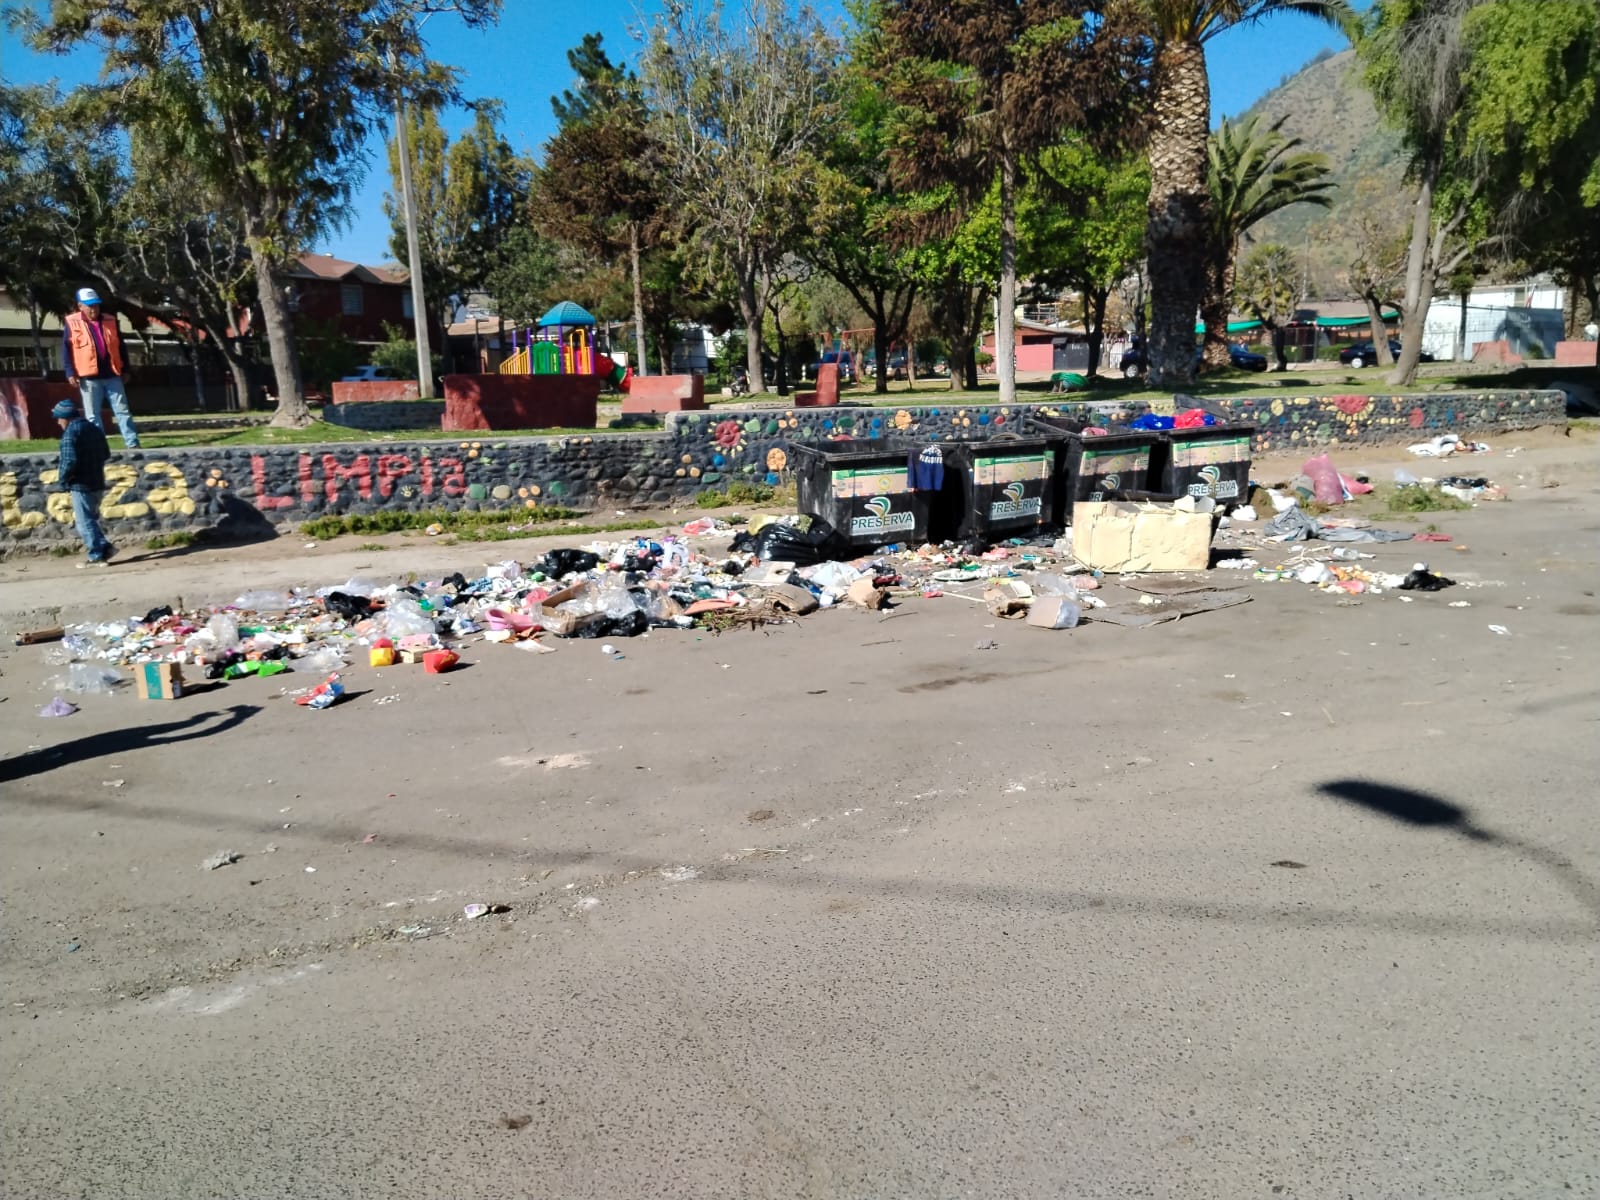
(1179, 209)
(1214, 309)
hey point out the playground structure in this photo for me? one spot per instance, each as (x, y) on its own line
(562, 343)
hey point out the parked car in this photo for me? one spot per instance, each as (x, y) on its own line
(1134, 364)
(846, 361)
(370, 374)
(1365, 354)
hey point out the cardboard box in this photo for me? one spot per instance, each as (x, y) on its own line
(1122, 537)
(158, 681)
(565, 624)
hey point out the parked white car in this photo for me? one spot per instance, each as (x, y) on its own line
(370, 374)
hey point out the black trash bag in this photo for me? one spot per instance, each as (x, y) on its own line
(351, 608)
(155, 614)
(785, 543)
(744, 542)
(458, 582)
(566, 562)
(631, 625)
(639, 564)
(1425, 581)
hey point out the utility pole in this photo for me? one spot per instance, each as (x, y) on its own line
(419, 302)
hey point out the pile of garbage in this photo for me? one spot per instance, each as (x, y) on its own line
(773, 571)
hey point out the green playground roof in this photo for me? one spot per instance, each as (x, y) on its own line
(1320, 323)
(566, 313)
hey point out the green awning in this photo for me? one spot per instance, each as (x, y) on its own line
(1321, 323)
(1233, 326)
(1347, 322)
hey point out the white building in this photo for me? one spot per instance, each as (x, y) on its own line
(1530, 315)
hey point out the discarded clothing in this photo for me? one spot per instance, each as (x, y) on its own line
(926, 469)
(1295, 525)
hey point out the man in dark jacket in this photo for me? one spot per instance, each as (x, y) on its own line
(83, 473)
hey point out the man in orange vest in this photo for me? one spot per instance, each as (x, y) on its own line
(91, 352)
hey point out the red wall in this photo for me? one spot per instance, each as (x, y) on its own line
(25, 406)
(665, 393)
(375, 391)
(521, 401)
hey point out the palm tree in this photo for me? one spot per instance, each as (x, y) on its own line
(1251, 173)
(1179, 227)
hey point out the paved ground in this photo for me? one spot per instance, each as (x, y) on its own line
(852, 909)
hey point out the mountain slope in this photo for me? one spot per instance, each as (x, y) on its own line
(1326, 106)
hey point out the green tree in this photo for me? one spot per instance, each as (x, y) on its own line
(526, 276)
(1179, 228)
(601, 186)
(858, 221)
(1271, 287)
(268, 105)
(599, 80)
(741, 110)
(468, 194)
(1252, 171)
(1088, 232)
(983, 88)
(1496, 104)
(62, 189)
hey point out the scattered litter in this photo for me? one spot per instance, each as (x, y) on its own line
(58, 708)
(112, 783)
(474, 911)
(1290, 864)
(515, 1123)
(324, 694)
(1238, 564)
(222, 858)
(587, 903)
(1500, 629)
(311, 870)
(679, 874)
(1460, 604)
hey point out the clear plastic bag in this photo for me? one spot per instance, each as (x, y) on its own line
(264, 600)
(320, 662)
(404, 617)
(86, 679)
(224, 632)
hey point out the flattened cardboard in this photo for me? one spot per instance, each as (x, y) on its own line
(1123, 537)
(158, 681)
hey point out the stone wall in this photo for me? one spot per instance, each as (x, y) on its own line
(380, 416)
(248, 489)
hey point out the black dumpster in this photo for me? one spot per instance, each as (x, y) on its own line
(863, 489)
(996, 489)
(1209, 460)
(1096, 466)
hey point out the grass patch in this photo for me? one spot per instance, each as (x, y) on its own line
(1414, 498)
(449, 520)
(744, 492)
(62, 551)
(170, 541)
(372, 546)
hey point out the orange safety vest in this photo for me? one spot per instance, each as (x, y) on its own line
(85, 363)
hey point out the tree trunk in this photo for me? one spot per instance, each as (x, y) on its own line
(911, 363)
(1421, 277)
(275, 317)
(880, 346)
(638, 298)
(1179, 210)
(1005, 326)
(191, 343)
(1461, 327)
(1094, 323)
(750, 309)
(1279, 337)
(1380, 332)
(1214, 309)
(33, 333)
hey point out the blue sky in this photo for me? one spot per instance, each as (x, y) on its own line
(523, 63)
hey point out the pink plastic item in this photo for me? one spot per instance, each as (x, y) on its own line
(1324, 478)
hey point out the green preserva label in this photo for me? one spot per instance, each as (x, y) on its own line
(1204, 453)
(849, 482)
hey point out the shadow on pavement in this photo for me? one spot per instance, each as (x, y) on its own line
(120, 741)
(1423, 811)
